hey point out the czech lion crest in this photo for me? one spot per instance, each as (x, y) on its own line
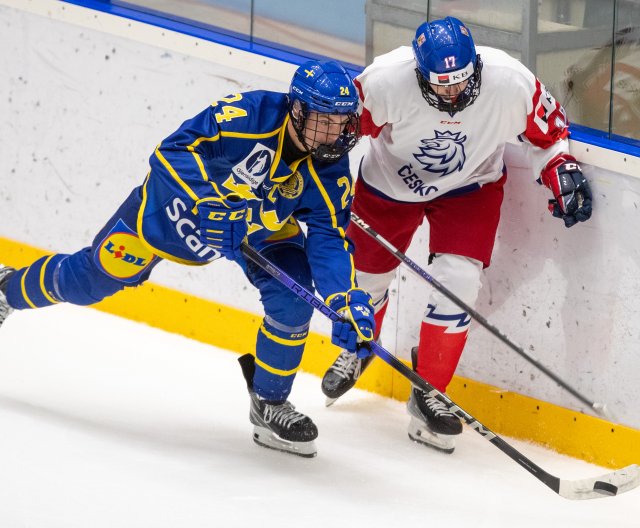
(442, 154)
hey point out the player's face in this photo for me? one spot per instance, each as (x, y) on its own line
(450, 92)
(323, 129)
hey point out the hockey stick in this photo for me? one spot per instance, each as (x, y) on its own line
(610, 484)
(600, 408)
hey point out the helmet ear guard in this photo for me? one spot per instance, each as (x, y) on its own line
(324, 88)
(445, 55)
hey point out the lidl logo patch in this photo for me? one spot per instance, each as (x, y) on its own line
(122, 254)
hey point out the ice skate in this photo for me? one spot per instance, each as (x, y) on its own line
(277, 425)
(432, 424)
(5, 309)
(342, 375)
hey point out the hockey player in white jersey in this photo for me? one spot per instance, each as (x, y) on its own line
(439, 116)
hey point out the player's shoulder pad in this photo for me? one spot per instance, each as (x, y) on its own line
(503, 71)
(385, 68)
(383, 82)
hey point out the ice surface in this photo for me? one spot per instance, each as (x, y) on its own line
(107, 423)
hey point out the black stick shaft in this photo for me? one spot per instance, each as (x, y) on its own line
(472, 313)
(546, 478)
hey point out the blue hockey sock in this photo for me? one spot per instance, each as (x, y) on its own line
(278, 354)
(34, 286)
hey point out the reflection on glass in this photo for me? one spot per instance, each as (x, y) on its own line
(505, 15)
(588, 82)
(625, 118)
(332, 28)
(582, 76)
(232, 16)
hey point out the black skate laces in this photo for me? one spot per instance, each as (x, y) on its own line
(284, 414)
(347, 365)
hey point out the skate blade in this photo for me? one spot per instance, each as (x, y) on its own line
(266, 438)
(420, 433)
(330, 401)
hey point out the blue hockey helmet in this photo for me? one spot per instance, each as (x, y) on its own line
(446, 55)
(324, 87)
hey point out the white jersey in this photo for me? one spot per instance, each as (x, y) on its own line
(419, 153)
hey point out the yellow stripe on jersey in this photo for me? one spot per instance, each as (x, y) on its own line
(24, 289)
(203, 171)
(281, 340)
(242, 135)
(276, 371)
(175, 175)
(202, 139)
(276, 161)
(245, 135)
(42, 287)
(334, 220)
(198, 159)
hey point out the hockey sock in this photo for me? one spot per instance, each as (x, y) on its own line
(278, 355)
(439, 352)
(35, 285)
(379, 316)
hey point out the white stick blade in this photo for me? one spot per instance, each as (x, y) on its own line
(608, 485)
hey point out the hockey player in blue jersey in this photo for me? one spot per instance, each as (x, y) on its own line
(252, 166)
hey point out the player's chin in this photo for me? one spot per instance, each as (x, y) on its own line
(322, 144)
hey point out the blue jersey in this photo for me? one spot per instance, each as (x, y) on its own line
(235, 145)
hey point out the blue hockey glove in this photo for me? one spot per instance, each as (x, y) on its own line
(356, 308)
(223, 224)
(572, 195)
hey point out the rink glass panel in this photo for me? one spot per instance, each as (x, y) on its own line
(331, 28)
(587, 52)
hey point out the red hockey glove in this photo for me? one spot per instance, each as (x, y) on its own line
(572, 195)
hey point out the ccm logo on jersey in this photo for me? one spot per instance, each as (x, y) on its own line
(188, 231)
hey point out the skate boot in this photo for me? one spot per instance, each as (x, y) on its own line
(277, 425)
(432, 423)
(5, 309)
(342, 375)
